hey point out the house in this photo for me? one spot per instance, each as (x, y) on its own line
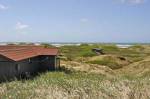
(98, 51)
(16, 61)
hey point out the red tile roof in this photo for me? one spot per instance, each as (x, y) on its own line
(17, 53)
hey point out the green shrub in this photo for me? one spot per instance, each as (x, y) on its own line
(88, 54)
(110, 48)
(72, 52)
(47, 45)
(110, 63)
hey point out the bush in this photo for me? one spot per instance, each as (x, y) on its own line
(88, 54)
(72, 52)
(110, 63)
(46, 45)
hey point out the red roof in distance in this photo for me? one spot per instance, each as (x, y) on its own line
(17, 53)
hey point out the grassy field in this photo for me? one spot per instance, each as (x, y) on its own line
(85, 75)
(134, 53)
(78, 85)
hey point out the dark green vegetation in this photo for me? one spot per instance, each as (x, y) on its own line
(72, 52)
(110, 63)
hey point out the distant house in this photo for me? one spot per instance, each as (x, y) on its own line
(98, 51)
(20, 60)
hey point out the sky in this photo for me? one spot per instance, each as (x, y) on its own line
(75, 21)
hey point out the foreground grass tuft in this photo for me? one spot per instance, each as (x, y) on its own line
(78, 85)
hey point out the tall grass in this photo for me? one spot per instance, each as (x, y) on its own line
(48, 81)
(134, 53)
(110, 63)
(76, 85)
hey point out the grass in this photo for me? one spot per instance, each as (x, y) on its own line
(83, 52)
(134, 53)
(71, 84)
(78, 85)
(110, 63)
(61, 80)
(72, 52)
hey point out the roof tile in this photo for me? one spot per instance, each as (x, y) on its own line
(18, 53)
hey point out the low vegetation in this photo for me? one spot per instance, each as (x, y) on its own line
(119, 74)
(113, 62)
(133, 53)
(78, 85)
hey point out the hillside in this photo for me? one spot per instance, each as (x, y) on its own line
(139, 68)
(119, 74)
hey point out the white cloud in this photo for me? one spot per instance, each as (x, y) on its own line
(133, 1)
(21, 26)
(3, 7)
(84, 20)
